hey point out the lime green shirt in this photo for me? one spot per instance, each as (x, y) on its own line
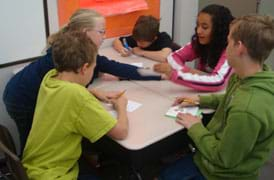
(65, 112)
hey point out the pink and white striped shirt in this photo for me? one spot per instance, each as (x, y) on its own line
(215, 80)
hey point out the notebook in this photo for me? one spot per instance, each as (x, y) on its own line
(174, 110)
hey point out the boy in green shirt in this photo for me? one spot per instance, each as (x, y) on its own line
(66, 112)
(239, 139)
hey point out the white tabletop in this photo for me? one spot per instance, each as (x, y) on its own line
(148, 124)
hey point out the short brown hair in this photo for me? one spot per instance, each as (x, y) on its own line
(71, 50)
(146, 28)
(257, 33)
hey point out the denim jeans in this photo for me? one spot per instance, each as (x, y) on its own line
(22, 116)
(182, 169)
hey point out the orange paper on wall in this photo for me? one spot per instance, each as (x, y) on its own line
(114, 7)
(116, 25)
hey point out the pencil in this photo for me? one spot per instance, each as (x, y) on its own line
(121, 94)
(190, 101)
(126, 44)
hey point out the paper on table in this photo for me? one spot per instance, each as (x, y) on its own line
(147, 72)
(139, 64)
(174, 110)
(131, 106)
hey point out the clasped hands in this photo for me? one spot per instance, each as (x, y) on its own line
(114, 97)
(185, 119)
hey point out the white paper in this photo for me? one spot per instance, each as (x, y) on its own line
(174, 110)
(131, 106)
(138, 64)
(147, 72)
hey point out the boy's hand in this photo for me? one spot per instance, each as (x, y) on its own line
(103, 95)
(187, 120)
(186, 101)
(138, 51)
(119, 103)
(125, 52)
(163, 68)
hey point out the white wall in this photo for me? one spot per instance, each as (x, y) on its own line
(267, 7)
(166, 15)
(22, 31)
(185, 20)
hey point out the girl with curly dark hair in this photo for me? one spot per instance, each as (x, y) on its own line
(207, 46)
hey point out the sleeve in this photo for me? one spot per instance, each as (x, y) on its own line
(94, 121)
(125, 71)
(214, 81)
(130, 41)
(178, 58)
(221, 152)
(211, 101)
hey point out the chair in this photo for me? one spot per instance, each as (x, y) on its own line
(15, 169)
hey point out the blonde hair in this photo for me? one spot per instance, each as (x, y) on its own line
(81, 19)
(257, 34)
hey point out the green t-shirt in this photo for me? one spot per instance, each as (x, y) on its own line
(65, 112)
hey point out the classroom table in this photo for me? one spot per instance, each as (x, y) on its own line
(152, 135)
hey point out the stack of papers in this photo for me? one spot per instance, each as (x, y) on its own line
(174, 110)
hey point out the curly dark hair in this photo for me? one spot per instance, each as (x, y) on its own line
(221, 18)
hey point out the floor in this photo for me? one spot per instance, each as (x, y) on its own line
(109, 169)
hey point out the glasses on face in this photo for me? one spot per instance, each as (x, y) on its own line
(102, 32)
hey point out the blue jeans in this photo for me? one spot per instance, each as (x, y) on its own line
(22, 116)
(182, 169)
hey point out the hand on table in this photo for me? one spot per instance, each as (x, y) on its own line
(125, 52)
(187, 120)
(164, 68)
(137, 51)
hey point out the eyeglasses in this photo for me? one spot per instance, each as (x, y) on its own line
(102, 32)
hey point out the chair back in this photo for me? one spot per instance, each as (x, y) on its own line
(15, 169)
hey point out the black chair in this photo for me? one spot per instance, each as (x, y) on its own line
(14, 169)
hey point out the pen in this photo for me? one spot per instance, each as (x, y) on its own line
(189, 101)
(121, 94)
(126, 44)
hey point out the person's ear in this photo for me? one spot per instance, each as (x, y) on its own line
(84, 68)
(241, 48)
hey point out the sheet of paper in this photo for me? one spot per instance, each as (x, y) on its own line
(131, 106)
(148, 72)
(174, 110)
(138, 64)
